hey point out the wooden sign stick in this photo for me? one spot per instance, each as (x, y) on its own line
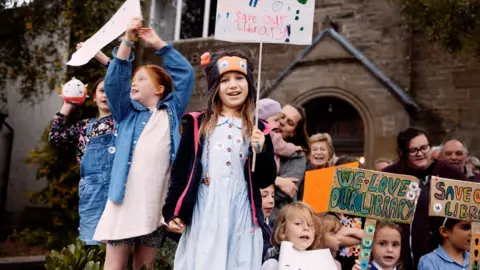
(367, 242)
(475, 247)
(259, 80)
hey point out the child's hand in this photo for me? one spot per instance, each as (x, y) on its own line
(132, 29)
(357, 265)
(257, 140)
(150, 37)
(176, 225)
(79, 45)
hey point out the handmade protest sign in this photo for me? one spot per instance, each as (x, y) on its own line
(372, 194)
(475, 247)
(110, 31)
(454, 199)
(268, 21)
(458, 200)
(292, 259)
(318, 184)
(376, 196)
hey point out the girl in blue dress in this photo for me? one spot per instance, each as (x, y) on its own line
(216, 202)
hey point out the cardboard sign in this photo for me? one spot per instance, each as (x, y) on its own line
(318, 184)
(454, 199)
(372, 194)
(267, 21)
(292, 259)
(110, 31)
(475, 247)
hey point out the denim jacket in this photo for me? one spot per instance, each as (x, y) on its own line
(131, 116)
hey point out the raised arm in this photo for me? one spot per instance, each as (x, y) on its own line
(100, 56)
(176, 65)
(62, 133)
(119, 73)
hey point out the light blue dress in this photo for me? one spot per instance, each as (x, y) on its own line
(222, 234)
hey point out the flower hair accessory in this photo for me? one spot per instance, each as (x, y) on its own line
(205, 59)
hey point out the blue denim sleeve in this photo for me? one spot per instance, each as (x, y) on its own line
(117, 86)
(183, 77)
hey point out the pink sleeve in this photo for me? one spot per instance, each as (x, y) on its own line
(281, 147)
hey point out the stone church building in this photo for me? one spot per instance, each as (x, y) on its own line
(367, 75)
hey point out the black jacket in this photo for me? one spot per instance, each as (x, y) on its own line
(187, 172)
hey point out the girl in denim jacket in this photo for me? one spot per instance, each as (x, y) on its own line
(94, 139)
(147, 109)
(214, 195)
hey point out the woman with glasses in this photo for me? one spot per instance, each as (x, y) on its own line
(414, 152)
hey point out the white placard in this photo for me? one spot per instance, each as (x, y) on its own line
(267, 21)
(110, 31)
(292, 259)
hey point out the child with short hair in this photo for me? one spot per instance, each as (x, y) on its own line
(454, 238)
(298, 224)
(268, 203)
(328, 235)
(386, 248)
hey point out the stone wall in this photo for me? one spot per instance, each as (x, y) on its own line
(445, 87)
(448, 88)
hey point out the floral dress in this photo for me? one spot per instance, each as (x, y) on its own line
(61, 133)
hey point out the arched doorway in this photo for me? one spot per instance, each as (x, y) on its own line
(341, 120)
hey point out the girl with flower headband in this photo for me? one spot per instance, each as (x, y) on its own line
(216, 203)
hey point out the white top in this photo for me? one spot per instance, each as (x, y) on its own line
(146, 187)
(380, 268)
(270, 264)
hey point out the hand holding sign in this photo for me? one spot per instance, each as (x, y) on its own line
(150, 37)
(132, 28)
(110, 31)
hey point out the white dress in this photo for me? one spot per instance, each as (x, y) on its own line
(222, 234)
(146, 187)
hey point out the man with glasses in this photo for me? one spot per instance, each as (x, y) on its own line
(455, 152)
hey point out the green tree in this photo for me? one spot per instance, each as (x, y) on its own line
(451, 23)
(34, 38)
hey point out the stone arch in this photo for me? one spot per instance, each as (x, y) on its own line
(362, 109)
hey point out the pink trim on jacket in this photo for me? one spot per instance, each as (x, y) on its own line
(196, 140)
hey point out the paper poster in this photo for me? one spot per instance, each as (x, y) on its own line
(475, 247)
(454, 199)
(318, 184)
(372, 194)
(292, 259)
(110, 31)
(267, 21)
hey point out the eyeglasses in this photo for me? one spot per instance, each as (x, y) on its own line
(414, 151)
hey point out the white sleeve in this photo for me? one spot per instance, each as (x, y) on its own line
(270, 264)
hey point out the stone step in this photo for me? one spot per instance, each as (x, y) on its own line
(24, 263)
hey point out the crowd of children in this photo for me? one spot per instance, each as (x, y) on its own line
(139, 177)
